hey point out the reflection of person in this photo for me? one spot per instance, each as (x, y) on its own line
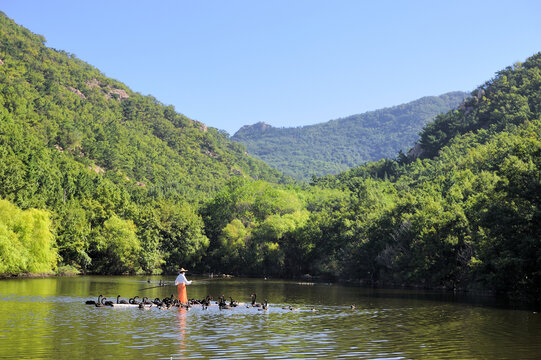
(182, 332)
(181, 283)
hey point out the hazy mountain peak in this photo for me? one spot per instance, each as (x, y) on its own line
(258, 127)
(337, 145)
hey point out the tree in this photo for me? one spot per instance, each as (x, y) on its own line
(116, 248)
(26, 240)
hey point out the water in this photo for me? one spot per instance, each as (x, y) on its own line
(47, 319)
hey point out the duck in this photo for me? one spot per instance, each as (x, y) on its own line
(143, 307)
(133, 300)
(222, 304)
(157, 301)
(265, 306)
(164, 306)
(232, 302)
(206, 301)
(101, 302)
(107, 303)
(254, 304)
(120, 301)
(352, 307)
(169, 300)
(146, 301)
(92, 302)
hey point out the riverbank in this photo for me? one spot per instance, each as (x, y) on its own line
(506, 300)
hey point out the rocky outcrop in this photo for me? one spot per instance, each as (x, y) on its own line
(76, 92)
(108, 91)
(415, 152)
(117, 94)
(255, 128)
(236, 172)
(93, 83)
(469, 104)
(97, 169)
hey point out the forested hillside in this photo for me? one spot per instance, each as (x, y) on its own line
(338, 145)
(121, 174)
(465, 216)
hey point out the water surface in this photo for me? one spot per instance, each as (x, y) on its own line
(47, 319)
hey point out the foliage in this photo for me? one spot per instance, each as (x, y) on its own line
(512, 97)
(116, 248)
(182, 230)
(97, 155)
(26, 240)
(466, 214)
(249, 224)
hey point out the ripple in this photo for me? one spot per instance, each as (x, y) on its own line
(61, 326)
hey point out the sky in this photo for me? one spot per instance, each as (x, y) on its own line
(288, 63)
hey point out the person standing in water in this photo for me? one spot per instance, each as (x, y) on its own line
(181, 283)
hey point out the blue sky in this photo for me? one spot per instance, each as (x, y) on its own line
(288, 63)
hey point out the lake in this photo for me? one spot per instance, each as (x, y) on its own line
(47, 319)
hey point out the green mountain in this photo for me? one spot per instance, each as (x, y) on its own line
(461, 212)
(511, 98)
(338, 145)
(463, 209)
(105, 160)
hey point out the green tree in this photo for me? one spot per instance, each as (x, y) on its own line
(26, 240)
(116, 248)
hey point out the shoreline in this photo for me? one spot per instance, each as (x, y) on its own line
(459, 294)
(302, 280)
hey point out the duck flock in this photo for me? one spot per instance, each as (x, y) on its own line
(170, 302)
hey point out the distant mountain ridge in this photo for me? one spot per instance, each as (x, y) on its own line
(337, 145)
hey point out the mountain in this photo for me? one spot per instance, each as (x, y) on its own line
(110, 165)
(73, 107)
(338, 145)
(511, 98)
(462, 210)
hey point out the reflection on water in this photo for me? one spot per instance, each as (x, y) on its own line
(47, 318)
(182, 332)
